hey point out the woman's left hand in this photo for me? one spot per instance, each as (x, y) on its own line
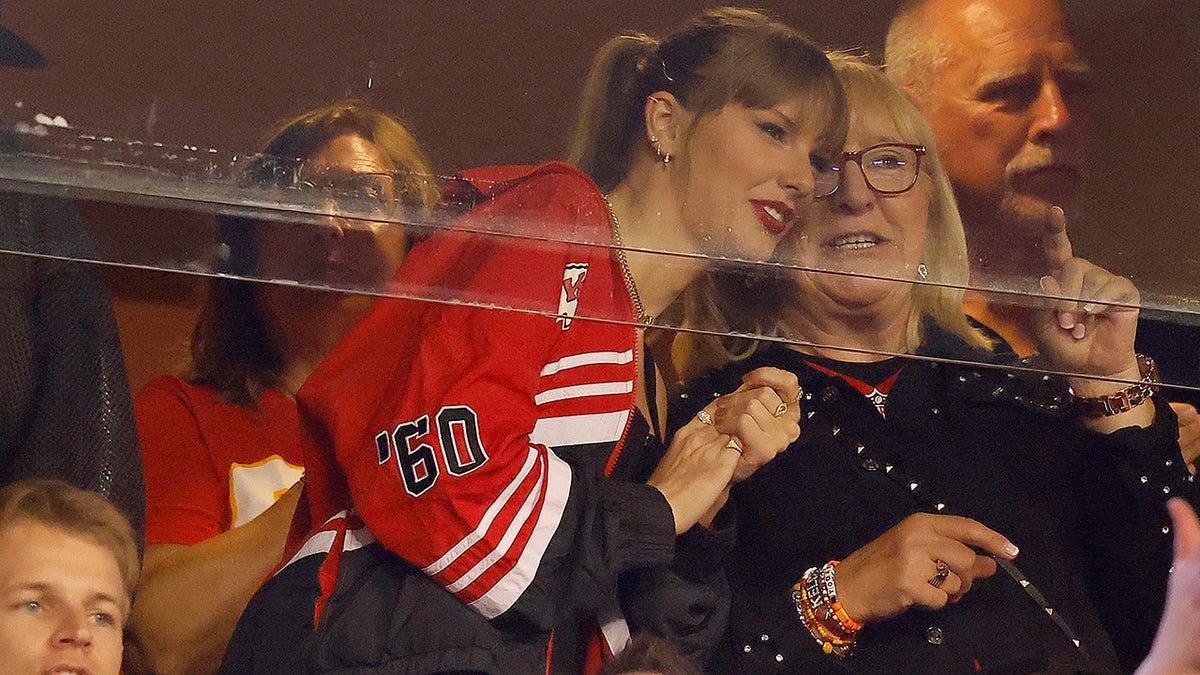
(1091, 324)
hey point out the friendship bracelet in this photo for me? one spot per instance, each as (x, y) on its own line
(815, 597)
(838, 612)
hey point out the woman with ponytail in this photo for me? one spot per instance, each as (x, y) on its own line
(489, 490)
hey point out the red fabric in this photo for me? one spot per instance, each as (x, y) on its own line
(191, 441)
(861, 387)
(595, 649)
(480, 533)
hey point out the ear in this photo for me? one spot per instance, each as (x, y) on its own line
(666, 119)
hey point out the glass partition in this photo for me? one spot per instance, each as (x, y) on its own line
(161, 173)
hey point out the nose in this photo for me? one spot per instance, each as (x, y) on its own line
(335, 225)
(74, 630)
(800, 181)
(853, 194)
(1051, 113)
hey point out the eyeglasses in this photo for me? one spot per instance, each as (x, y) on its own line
(889, 169)
(372, 190)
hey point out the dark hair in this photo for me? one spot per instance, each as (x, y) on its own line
(726, 55)
(64, 507)
(232, 350)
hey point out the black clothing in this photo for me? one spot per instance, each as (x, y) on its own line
(1173, 339)
(1086, 510)
(65, 408)
(387, 616)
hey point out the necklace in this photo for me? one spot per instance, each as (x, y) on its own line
(877, 394)
(643, 318)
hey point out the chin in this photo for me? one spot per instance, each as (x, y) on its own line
(861, 293)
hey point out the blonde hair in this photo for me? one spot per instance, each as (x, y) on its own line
(748, 300)
(722, 56)
(64, 507)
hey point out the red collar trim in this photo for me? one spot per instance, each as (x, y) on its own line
(861, 387)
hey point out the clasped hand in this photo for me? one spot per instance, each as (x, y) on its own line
(733, 436)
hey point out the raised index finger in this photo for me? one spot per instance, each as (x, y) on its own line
(1056, 245)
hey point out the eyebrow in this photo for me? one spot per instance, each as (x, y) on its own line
(882, 140)
(42, 587)
(1074, 68)
(790, 123)
(1002, 79)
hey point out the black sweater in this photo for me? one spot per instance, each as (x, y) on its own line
(1085, 509)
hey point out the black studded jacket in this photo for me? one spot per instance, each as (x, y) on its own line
(996, 445)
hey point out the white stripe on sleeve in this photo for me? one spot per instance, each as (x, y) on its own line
(587, 359)
(583, 391)
(558, 432)
(531, 459)
(505, 593)
(505, 543)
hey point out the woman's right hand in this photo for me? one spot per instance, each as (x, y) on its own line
(897, 570)
(731, 438)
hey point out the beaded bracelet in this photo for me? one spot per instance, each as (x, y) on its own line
(830, 643)
(815, 597)
(839, 613)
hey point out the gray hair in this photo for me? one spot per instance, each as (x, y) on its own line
(913, 53)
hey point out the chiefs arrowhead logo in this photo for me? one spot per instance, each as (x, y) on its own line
(568, 299)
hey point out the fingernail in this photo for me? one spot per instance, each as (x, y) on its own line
(1042, 282)
(1011, 550)
(1066, 320)
(1079, 331)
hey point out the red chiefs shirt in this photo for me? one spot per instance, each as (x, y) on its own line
(211, 466)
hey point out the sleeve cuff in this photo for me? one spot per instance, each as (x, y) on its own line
(644, 525)
(701, 551)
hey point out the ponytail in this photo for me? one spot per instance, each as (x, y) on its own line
(725, 55)
(610, 117)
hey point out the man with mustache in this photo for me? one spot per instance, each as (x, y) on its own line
(1008, 97)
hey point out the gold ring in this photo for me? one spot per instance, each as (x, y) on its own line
(734, 445)
(781, 409)
(704, 417)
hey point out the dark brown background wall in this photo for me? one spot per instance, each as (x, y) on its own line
(487, 81)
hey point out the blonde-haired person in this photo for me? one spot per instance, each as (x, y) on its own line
(741, 300)
(923, 476)
(221, 443)
(68, 567)
(516, 471)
